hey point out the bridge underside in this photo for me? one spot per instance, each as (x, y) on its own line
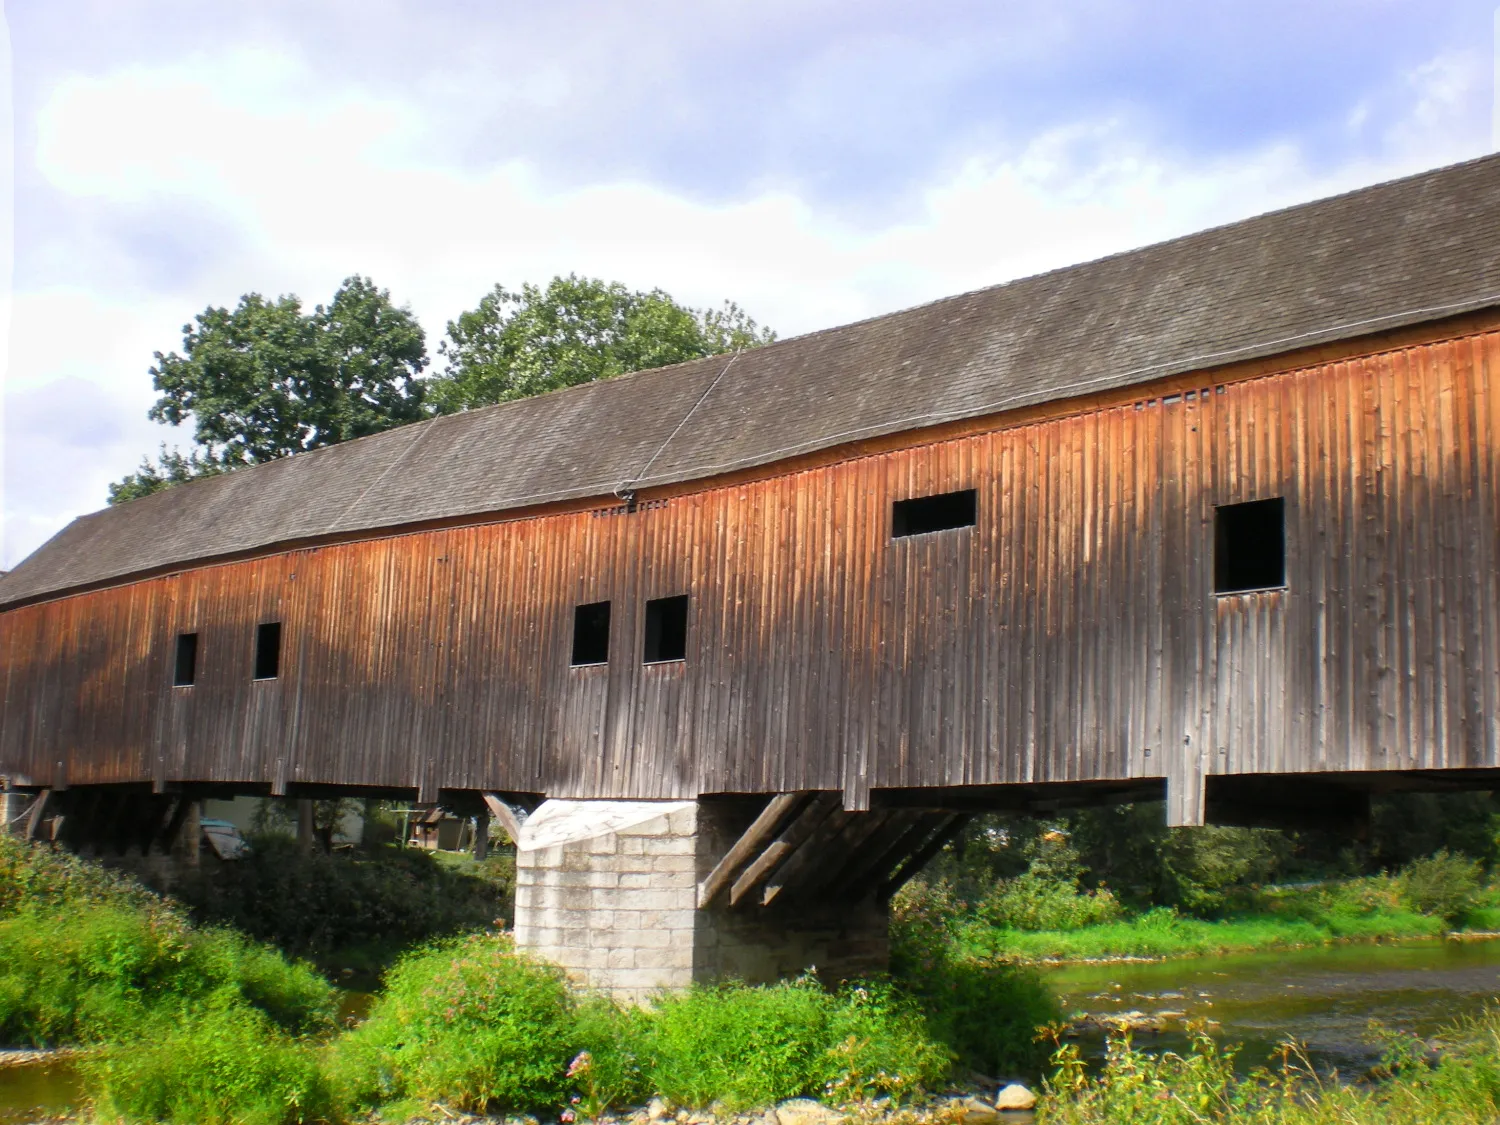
(631, 897)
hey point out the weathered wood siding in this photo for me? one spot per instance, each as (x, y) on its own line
(1070, 631)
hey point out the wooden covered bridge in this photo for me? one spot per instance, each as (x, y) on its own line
(1215, 519)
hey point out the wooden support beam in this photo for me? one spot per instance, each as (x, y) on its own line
(173, 826)
(161, 812)
(34, 814)
(850, 846)
(814, 815)
(305, 834)
(482, 834)
(778, 809)
(135, 812)
(807, 854)
(192, 835)
(921, 856)
(502, 811)
(83, 806)
(906, 834)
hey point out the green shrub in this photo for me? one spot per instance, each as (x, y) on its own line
(313, 904)
(35, 876)
(102, 973)
(1033, 902)
(1443, 885)
(740, 1045)
(883, 1046)
(226, 1065)
(467, 1022)
(748, 1046)
(986, 1013)
(612, 1061)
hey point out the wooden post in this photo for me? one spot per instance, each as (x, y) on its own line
(304, 826)
(482, 834)
(192, 834)
(12, 804)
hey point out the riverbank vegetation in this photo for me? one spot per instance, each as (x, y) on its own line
(1457, 1084)
(355, 909)
(1114, 882)
(200, 1024)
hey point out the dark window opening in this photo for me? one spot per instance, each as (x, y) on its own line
(934, 513)
(185, 667)
(268, 650)
(1250, 546)
(666, 629)
(591, 633)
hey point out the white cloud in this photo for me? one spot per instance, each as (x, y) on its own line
(316, 187)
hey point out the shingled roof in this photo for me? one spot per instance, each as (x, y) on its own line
(1400, 253)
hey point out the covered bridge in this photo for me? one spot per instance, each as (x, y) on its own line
(1215, 518)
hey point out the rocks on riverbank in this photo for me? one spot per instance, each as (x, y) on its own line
(35, 1056)
(1011, 1103)
(1166, 1019)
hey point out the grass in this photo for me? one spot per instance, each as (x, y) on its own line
(88, 958)
(473, 1025)
(1163, 933)
(1134, 1087)
(1374, 908)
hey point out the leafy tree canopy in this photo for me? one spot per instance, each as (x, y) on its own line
(574, 331)
(266, 380)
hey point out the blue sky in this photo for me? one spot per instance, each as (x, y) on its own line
(817, 162)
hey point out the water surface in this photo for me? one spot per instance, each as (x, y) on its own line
(1325, 998)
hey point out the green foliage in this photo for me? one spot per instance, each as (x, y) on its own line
(986, 1012)
(613, 1061)
(171, 467)
(574, 331)
(267, 380)
(313, 904)
(754, 1046)
(38, 878)
(220, 1066)
(87, 955)
(103, 973)
(1202, 867)
(1034, 902)
(1408, 826)
(1444, 886)
(1136, 1087)
(467, 1022)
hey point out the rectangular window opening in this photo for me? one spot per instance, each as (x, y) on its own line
(185, 666)
(268, 650)
(1250, 546)
(666, 629)
(591, 634)
(925, 514)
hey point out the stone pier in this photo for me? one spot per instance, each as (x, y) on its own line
(608, 890)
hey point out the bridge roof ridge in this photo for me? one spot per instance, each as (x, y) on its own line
(1399, 253)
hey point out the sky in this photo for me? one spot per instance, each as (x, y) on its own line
(817, 162)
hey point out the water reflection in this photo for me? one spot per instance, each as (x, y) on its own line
(1324, 997)
(37, 1091)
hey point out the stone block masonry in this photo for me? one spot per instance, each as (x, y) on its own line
(608, 891)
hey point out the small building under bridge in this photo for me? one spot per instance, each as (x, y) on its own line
(1214, 520)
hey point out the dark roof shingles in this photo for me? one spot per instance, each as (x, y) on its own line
(1394, 254)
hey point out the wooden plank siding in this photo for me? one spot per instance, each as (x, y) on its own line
(1070, 631)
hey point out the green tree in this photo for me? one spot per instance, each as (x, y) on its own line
(267, 380)
(575, 330)
(171, 467)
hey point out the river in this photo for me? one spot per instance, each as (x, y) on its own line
(1324, 997)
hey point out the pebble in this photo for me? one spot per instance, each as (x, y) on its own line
(805, 1111)
(1014, 1097)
